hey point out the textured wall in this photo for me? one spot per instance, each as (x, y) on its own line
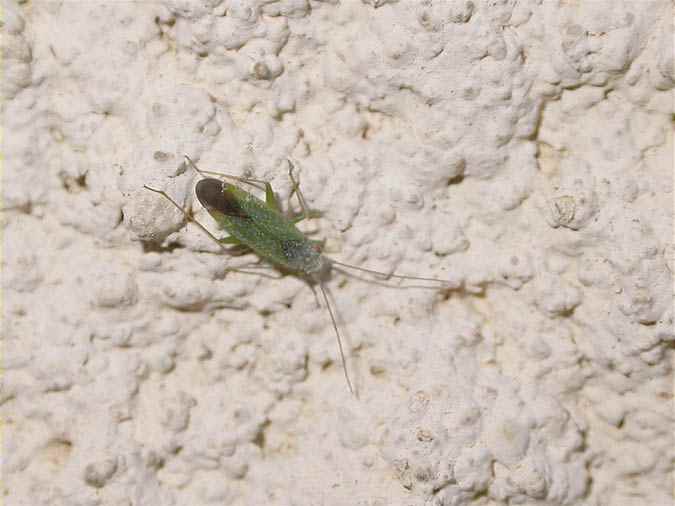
(520, 149)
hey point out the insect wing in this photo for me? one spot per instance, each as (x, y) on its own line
(218, 198)
(251, 221)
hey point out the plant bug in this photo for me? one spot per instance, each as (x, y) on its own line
(263, 228)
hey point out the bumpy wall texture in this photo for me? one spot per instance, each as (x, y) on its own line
(520, 149)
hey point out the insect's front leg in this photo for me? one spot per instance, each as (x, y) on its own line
(237, 248)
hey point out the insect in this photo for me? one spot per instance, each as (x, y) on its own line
(262, 227)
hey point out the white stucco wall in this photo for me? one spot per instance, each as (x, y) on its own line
(520, 149)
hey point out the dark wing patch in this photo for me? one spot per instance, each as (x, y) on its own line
(213, 195)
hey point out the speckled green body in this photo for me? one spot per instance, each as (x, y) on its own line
(261, 227)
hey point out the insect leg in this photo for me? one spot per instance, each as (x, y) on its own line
(238, 249)
(271, 199)
(233, 241)
(295, 190)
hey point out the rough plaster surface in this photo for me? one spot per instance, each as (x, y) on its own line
(520, 149)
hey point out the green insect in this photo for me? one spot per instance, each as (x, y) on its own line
(262, 227)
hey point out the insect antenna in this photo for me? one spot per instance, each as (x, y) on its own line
(387, 283)
(256, 183)
(339, 338)
(186, 215)
(316, 297)
(387, 276)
